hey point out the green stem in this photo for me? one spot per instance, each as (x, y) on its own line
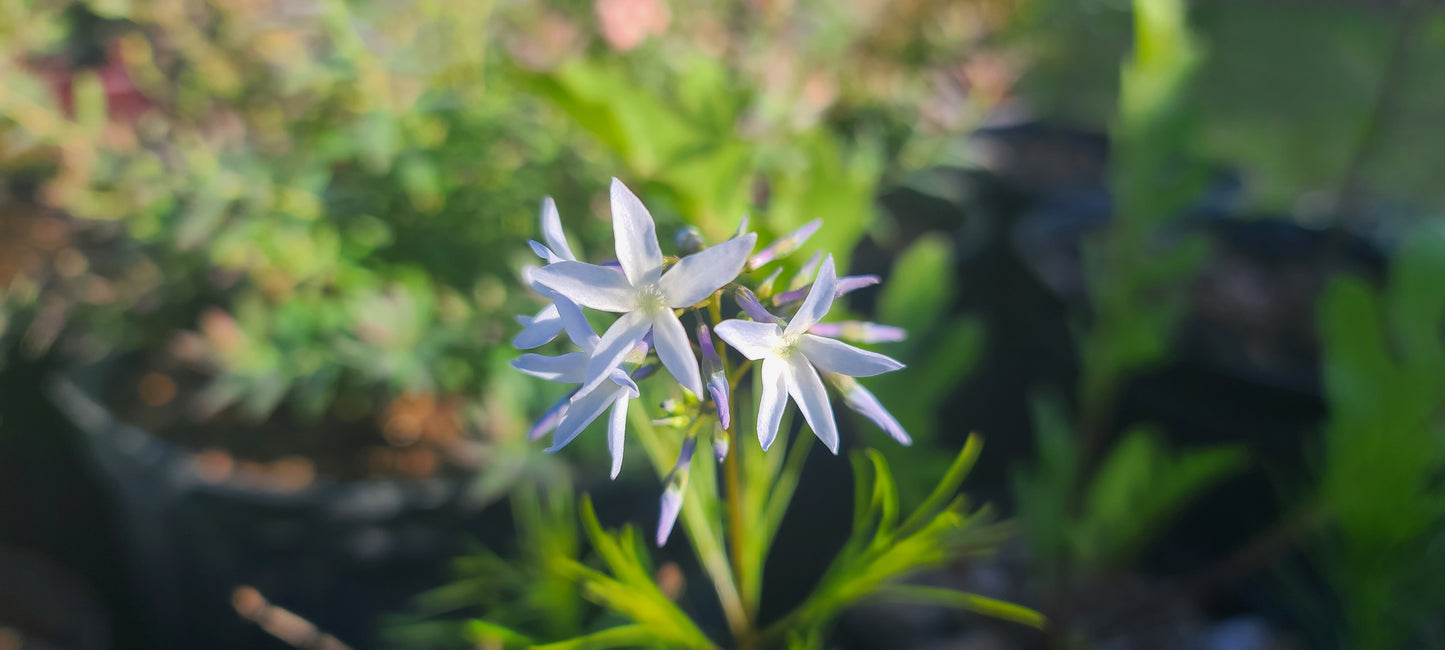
(697, 520)
(743, 634)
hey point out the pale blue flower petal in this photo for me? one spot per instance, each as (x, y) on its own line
(836, 356)
(625, 383)
(543, 252)
(697, 276)
(675, 350)
(570, 368)
(588, 285)
(860, 332)
(773, 398)
(582, 410)
(552, 230)
(616, 427)
(754, 340)
(538, 330)
(818, 302)
(575, 323)
(551, 418)
(858, 398)
(807, 390)
(636, 237)
(717, 381)
(619, 340)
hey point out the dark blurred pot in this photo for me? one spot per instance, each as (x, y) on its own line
(338, 553)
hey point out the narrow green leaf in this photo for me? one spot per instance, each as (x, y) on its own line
(963, 600)
(483, 632)
(950, 483)
(626, 636)
(885, 496)
(862, 496)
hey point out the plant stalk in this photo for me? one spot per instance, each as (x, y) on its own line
(744, 634)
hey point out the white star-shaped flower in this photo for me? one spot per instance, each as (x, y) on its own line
(572, 416)
(792, 358)
(643, 293)
(540, 329)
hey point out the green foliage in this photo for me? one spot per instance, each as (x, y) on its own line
(881, 552)
(342, 204)
(1134, 272)
(531, 591)
(1086, 507)
(1140, 487)
(1384, 446)
(940, 351)
(627, 588)
(623, 587)
(687, 147)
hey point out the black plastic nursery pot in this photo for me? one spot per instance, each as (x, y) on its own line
(338, 553)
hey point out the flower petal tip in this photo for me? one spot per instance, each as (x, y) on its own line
(667, 517)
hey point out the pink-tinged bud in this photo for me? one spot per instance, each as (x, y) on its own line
(754, 309)
(860, 332)
(858, 398)
(846, 285)
(667, 518)
(806, 272)
(784, 245)
(712, 370)
(851, 283)
(672, 496)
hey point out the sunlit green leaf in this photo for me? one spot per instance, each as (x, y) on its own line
(962, 600)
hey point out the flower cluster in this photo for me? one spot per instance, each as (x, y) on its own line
(796, 351)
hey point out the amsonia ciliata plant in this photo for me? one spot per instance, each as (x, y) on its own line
(670, 309)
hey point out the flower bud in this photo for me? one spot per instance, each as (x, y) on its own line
(765, 288)
(860, 332)
(785, 244)
(806, 272)
(712, 370)
(672, 496)
(721, 442)
(688, 240)
(858, 398)
(846, 285)
(754, 309)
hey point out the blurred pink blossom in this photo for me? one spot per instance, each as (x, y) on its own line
(627, 23)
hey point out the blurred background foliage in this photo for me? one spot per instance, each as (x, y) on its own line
(314, 212)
